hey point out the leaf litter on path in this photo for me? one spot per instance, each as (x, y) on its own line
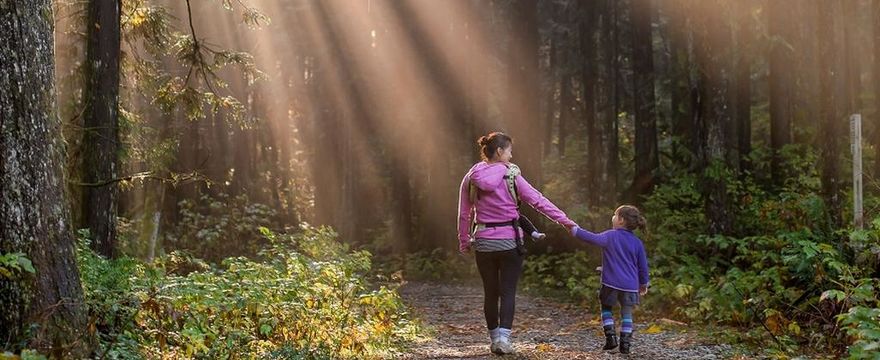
(543, 329)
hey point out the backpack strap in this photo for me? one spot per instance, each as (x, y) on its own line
(510, 178)
(512, 172)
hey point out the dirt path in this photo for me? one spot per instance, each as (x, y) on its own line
(543, 329)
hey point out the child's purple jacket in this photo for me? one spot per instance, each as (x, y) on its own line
(495, 204)
(624, 264)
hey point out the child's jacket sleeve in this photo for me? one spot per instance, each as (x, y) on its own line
(600, 240)
(535, 199)
(643, 266)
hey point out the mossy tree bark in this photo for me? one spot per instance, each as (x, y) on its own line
(34, 218)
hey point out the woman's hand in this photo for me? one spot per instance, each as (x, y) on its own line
(465, 249)
(643, 290)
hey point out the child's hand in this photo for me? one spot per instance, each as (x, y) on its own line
(643, 290)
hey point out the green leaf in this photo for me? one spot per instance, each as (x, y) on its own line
(833, 294)
(265, 329)
(26, 264)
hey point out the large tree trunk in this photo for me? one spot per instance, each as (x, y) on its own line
(101, 135)
(851, 65)
(589, 75)
(646, 159)
(611, 36)
(781, 84)
(806, 77)
(876, 76)
(522, 102)
(717, 154)
(743, 106)
(478, 78)
(34, 218)
(680, 57)
(831, 123)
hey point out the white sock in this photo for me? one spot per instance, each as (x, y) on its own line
(494, 334)
(503, 333)
(538, 235)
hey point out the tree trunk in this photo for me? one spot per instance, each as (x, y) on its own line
(876, 76)
(781, 84)
(743, 106)
(550, 100)
(646, 159)
(477, 75)
(807, 77)
(717, 155)
(831, 123)
(852, 70)
(612, 95)
(34, 218)
(589, 77)
(101, 135)
(522, 101)
(680, 56)
(565, 104)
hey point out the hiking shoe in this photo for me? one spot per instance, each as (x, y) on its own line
(625, 342)
(494, 347)
(504, 347)
(610, 342)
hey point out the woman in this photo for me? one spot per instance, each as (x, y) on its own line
(487, 206)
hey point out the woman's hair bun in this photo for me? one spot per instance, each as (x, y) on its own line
(483, 141)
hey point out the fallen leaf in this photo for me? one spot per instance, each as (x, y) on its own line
(653, 329)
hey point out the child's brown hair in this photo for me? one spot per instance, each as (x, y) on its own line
(632, 217)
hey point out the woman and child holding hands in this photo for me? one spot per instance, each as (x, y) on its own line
(489, 225)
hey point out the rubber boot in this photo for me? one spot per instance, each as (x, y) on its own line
(625, 342)
(610, 338)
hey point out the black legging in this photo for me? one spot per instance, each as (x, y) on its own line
(500, 271)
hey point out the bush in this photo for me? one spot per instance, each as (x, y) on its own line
(306, 298)
(207, 225)
(572, 275)
(438, 265)
(767, 275)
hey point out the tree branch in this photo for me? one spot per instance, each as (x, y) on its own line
(197, 47)
(148, 175)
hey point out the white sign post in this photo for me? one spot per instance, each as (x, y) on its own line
(855, 126)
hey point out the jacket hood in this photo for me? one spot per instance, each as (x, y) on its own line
(488, 177)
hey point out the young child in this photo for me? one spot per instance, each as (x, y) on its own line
(624, 272)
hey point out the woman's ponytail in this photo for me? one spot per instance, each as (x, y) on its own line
(489, 144)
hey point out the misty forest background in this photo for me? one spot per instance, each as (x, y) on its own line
(201, 146)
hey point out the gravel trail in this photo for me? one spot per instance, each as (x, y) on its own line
(543, 329)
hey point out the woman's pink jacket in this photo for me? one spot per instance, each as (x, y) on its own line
(495, 204)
